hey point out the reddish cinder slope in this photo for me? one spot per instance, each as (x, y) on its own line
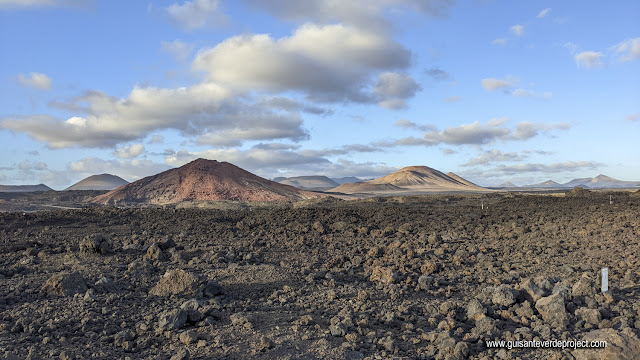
(203, 180)
(411, 178)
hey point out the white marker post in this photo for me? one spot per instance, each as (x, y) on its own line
(605, 280)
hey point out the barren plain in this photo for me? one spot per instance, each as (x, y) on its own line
(424, 277)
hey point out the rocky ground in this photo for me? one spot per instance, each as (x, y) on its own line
(429, 277)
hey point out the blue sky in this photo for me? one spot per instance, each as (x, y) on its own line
(494, 91)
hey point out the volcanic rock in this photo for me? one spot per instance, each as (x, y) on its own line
(203, 180)
(621, 345)
(553, 311)
(95, 244)
(176, 282)
(65, 284)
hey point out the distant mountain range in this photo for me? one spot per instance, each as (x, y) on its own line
(24, 188)
(316, 182)
(598, 182)
(99, 182)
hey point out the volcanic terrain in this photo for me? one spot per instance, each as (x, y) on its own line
(425, 277)
(203, 180)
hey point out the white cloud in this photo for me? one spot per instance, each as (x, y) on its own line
(369, 14)
(393, 88)
(500, 41)
(327, 63)
(197, 14)
(493, 84)
(543, 13)
(129, 151)
(589, 59)
(192, 111)
(410, 125)
(628, 50)
(470, 134)
(517, 30)
(180, 50)
(633, 117)
(522, 93)
(526, 130)
(452, 99)
(493, 156)
(237, 100)
(35, 80)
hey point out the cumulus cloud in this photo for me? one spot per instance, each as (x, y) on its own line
(290, 104)
(197, 14)
(236, 100)
(526, 130)
(129, 151)
(543, 13)
(180, 50)
(589, 59)
(35, 80)
(326, 63)
(362, 13)
(406, 124)
(195, 110)
(628, 50)
(471, 134)
(493, 156)
(517, 30)
(522, 93)
(493, 84)
(392, 90)
(437, 74)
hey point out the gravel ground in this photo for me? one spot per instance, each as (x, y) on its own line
(426, 277)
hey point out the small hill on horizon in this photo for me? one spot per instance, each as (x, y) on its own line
(411, 178)
(200, 180)
(316, 182)
(98, 182)
(24, 188)
(346, 180)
